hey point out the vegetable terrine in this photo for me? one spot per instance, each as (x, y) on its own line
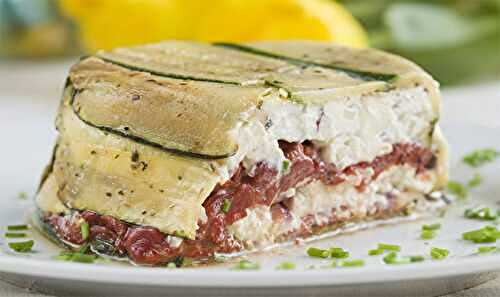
(189, 150)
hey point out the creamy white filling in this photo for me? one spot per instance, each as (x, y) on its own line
(342, 201)
(354, 129)
(349, 130)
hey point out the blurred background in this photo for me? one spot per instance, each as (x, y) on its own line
(457, 41)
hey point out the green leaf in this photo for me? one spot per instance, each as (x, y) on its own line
(423, 26)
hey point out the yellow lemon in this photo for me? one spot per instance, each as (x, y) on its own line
(105, 24)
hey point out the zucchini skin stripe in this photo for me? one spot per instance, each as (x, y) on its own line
(357, 74)
(140, 140)
(168, 75)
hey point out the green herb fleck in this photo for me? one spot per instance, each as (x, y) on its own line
(318, 253)
(486, 249)
(17, 227)
(220, 258)
(246, 265)
(415, 259)
(391, 258)
(76, 257)
(286, 165)
(475, 181)
(349, 263)
(487, 234)
(15, 235)
(375, 252)
(85, 230)
(22, 195)
(171, 265)
(339, 253)
(439, 254)
(389, 247)
(286, 266)
(22, 247)
(481, 157)
(428, 234)
(480, 213)
(457, 189)
(432, 227)
(226, 205)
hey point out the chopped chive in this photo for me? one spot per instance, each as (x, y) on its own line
(226, 205)
(84, 248)
(286, 165)
(318, 253)
(171, 265)
(351, 263)
(15, 235)
(76, 257)
(481, 213)
(85, 229)
(389, 247)
(487, 234)
(432, 227)
(486, 249)
(22, 247)
(475, 181)
(390, 258)
(439, 254)
(414, 259)
(481, 157)
(17, 227)
(286, 266)
(339, 253)
(375, 252)
(83, 258)
(427, 234)
(22, 195)
(457, 189)
(246, 265)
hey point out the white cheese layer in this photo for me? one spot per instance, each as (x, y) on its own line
(343, 201)
(349, 130)
(354, 129)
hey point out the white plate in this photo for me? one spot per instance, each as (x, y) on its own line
(470, 121)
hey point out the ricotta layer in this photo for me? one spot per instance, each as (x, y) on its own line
(349, 130)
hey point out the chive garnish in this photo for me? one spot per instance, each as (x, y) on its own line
(481, 157)
(457, 189)
(393, 259)
(246, 265)
(475, 181)
(427, 234)
(318, 253)
(439, 254)
(76, 257)
(390, 258)
(15, 235)
(17, 227)
(85, 229)
(480, 213)
(414, 259)
(22, 195)
(171, 265)
(487, 249)
(339, 253)
(22, 247)
(226, 205)
(375, 252)
(389, 247)
(432, 227)
(286, 165)
(349, 263)
(286, 266)
(487, 234)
